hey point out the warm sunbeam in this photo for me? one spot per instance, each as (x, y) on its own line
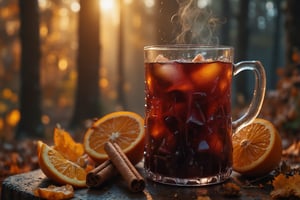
(107, 5)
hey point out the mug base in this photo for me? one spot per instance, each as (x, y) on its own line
(196, 181)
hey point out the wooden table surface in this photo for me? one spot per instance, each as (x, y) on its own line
(21, 186)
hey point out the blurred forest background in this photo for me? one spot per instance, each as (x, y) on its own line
(67, 61)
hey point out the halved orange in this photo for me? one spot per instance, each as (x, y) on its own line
(123, 127)
(59, 169)
(257, 148)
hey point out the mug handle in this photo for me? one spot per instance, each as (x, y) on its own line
(258, 93)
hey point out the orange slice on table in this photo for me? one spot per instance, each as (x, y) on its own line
(55, 192)
(123, 127)
(256, 148)
(59, 169)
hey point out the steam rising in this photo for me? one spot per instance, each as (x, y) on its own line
(197, 24)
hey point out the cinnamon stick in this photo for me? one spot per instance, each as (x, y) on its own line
(134, 180)
(100, 174)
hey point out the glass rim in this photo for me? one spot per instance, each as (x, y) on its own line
(187, 47)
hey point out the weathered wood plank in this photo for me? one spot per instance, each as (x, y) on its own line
(21, 186)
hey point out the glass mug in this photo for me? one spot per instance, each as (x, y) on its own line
(188, 119)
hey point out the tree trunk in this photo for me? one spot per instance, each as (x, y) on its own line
(292, 24)
(121, 61)
(225, 29)
(243, 31)
(167, 30)
(276, 46)
(241, 49)
(87, 95)
(30, 92)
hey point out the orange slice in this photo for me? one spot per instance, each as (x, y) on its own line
(124, 128)
(55, 192)
(59, 169)
(256, 148)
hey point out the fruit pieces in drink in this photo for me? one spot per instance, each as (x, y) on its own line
(188, 119)
(169, 77)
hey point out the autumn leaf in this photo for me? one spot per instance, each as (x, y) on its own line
(292, 150)
(64, 143)
(286, 186)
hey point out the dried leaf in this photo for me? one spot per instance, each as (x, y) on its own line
(64, 143)
(286, 186)
(287, 169)
(15, 158)
(293, 149)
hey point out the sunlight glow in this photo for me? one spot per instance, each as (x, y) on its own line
(149, 3)
(271, 10)
(13, 117)
(62, 64)
(107, 5)
(45, 119)
(3, 107)
(103, 83)
(1, 124)
(7, 93)
(44, 4)
(127, 2)
(75, 6)
(43, 30)
(203, 3)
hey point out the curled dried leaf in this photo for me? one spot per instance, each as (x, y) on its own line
(293, 149)
(286, 186)
(64, 143)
